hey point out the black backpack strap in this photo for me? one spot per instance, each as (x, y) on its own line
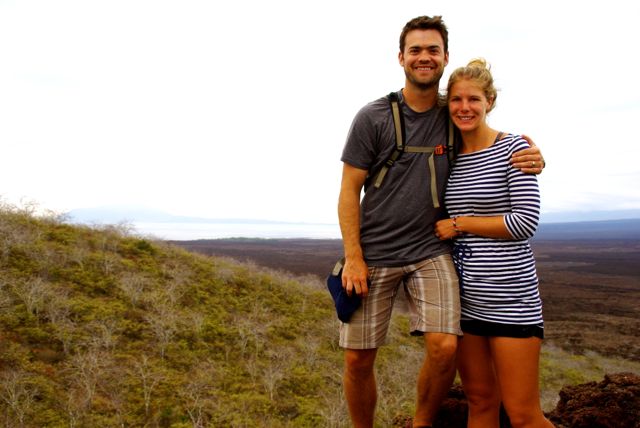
(398, 125)
(431, 151)
(398, 121)
(451, 143)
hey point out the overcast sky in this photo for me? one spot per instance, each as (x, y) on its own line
(240, 109)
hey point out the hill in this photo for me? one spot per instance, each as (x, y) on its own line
(590, 288)
(101, 328)
(590, 291)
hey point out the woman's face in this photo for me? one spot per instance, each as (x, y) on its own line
(468, 105)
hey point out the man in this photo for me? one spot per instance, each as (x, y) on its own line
(389, 237)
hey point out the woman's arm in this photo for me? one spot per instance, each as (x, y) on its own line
(524, 197)
(490, 227)
(521, 223)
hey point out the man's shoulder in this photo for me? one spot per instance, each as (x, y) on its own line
(375, 112)
(380, 103)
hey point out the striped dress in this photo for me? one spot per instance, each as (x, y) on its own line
(497, 276)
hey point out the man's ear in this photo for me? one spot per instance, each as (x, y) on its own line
(446, 59)
(401, 58)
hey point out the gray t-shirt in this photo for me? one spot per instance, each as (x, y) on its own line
(397, 219)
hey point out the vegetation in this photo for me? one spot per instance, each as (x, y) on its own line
(559, 368)
(102, 328)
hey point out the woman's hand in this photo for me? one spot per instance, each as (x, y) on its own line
(446, 229)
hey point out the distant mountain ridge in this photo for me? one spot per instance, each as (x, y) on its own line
(591, 215)
(628, 229)
(111, 214)
(623, 224)
(116, 213)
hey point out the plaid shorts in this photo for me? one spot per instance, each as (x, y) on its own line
(433, 295)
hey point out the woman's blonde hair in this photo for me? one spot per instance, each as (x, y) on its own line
(479, 71)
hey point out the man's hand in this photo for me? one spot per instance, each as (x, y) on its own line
(354, 271)
(354, 276)
(529, 160)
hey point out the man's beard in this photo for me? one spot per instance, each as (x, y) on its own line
(429, 84)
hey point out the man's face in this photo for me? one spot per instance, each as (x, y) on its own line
(423, 58)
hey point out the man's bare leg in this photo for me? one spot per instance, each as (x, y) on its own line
(360, 386)
(436, 376)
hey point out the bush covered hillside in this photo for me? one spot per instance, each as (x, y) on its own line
(102, 329)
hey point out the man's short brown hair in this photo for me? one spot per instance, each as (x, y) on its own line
(426, 23)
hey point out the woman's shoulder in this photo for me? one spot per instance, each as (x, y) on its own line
(513, 142)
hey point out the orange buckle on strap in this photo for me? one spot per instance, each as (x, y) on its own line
(440, 149)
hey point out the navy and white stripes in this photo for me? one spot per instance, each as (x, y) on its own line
(498, 276)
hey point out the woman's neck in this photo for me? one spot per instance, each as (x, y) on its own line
(478, 139)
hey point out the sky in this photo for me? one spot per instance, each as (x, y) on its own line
(240, 109)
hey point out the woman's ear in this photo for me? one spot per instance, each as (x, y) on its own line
(490, 104)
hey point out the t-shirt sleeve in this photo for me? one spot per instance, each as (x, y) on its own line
(524, 194)
(360, 148)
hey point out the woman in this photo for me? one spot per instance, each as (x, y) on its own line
(494, 210)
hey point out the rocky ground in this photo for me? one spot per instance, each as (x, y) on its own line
(612, 403)
(591, 296)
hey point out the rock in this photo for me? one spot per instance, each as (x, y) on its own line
(452, 414)
(611, 403)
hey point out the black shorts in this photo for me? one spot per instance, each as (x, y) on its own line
(485, 328)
